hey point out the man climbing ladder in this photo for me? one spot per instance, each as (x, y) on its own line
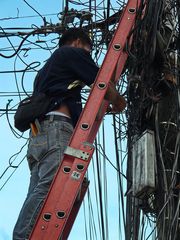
(64, 74)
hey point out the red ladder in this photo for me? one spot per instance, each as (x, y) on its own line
(69, 186)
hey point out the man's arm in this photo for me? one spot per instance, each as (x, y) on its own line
(82, 64)
(112, 95)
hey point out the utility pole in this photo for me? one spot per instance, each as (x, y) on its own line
(153, 132)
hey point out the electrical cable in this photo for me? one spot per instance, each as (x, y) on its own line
(24, 39)
(44, 20)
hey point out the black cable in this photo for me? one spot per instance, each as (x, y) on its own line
(85, 223)
(32, 16)
(16, 81)
(37, 64)
(20, 45)
(103, 153)
(93, 234)
(100, 195)
(15, 133)
(12, 174)
(96, 194)
(43, 18)
(105, 184)
(119, 170)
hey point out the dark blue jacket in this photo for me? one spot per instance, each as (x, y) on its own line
(63, 77)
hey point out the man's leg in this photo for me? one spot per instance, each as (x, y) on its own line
(20, 226)
(58, 135)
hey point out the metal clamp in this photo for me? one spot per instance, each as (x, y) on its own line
(76, 153)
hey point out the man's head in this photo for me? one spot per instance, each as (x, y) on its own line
(76, 37)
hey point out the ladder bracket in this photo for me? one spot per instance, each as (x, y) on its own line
(77, 153)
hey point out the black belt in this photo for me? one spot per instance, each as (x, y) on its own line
(57, 118)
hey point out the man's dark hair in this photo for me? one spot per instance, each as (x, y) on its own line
(73, 34)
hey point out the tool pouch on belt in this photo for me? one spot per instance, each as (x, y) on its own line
(30, 108)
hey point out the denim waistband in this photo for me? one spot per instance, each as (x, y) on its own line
(57, 118)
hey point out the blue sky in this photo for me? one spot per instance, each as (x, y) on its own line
(13, 193)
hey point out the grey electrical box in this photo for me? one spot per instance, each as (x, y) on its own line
(144, 160)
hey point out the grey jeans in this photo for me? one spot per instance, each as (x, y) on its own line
(44, 155)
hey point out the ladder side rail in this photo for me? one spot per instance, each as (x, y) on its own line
(106, 73)
(74, 212)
